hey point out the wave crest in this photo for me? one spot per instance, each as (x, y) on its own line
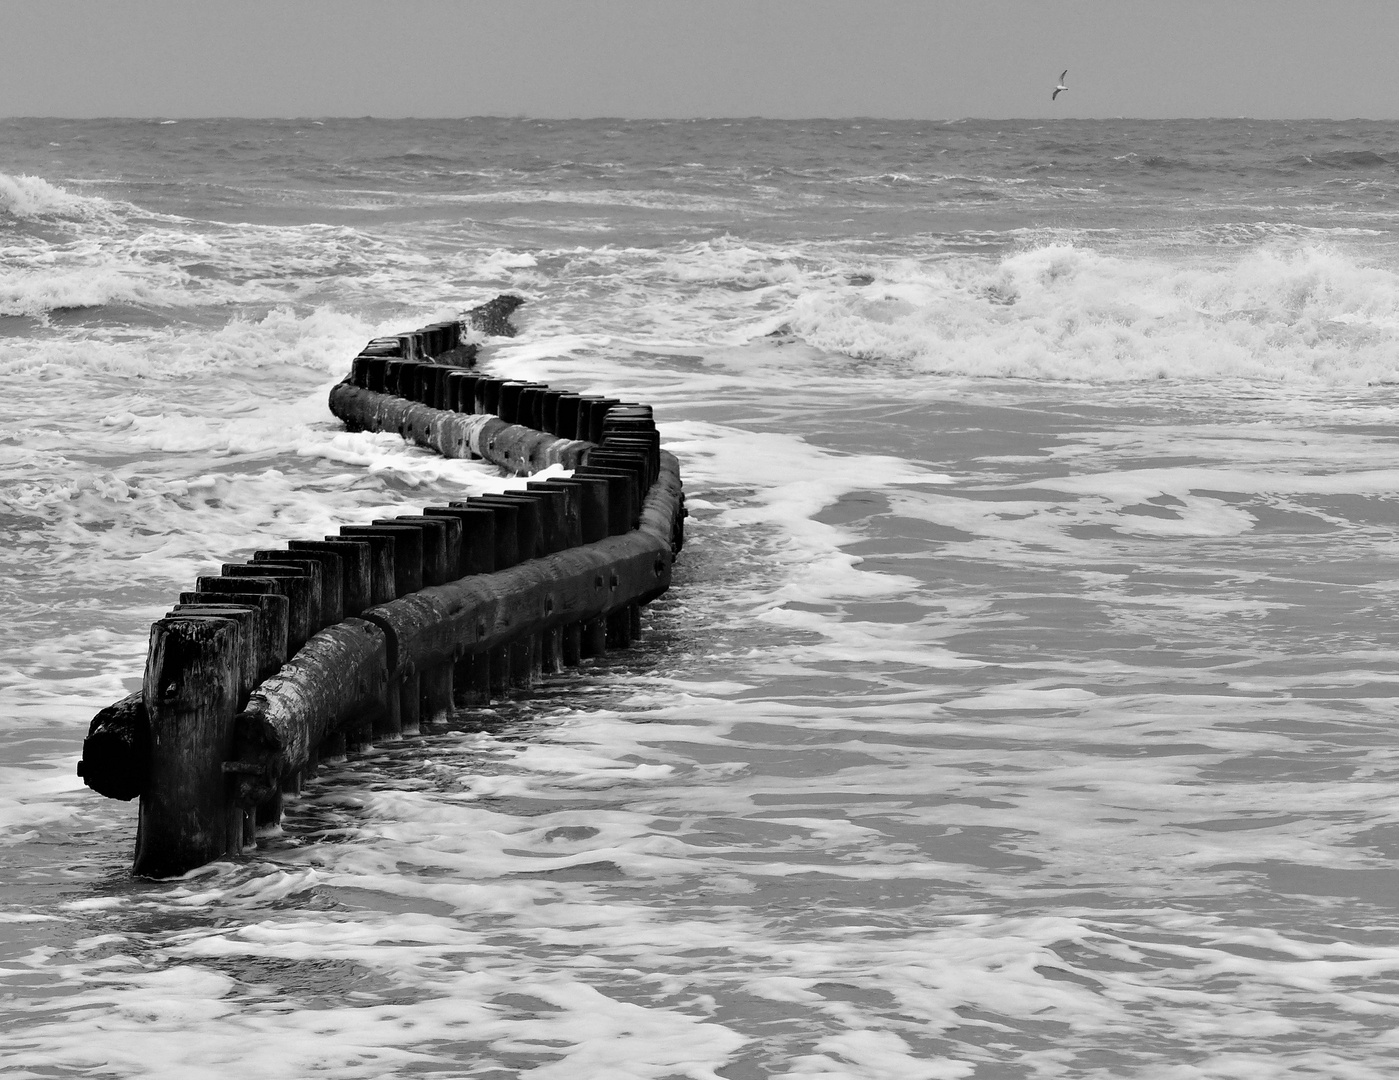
(1061, 311)
(32, 197)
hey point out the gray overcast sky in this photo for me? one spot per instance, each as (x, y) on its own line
(931, 59)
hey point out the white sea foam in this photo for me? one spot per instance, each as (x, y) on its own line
(33, 197)
(1062, 311)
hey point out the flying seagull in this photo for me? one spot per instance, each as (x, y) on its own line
(1061, 87)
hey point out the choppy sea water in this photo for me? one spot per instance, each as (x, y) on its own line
(1023, 707)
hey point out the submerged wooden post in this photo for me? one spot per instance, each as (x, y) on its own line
(571, 643)
(499, 661)
(409, 704)
(522, 653)
(551, 660)
(594, 637)
(471, 682)
(435, 699)
(190, 691)
(618, 629)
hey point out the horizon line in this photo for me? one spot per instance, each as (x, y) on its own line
(323, 117)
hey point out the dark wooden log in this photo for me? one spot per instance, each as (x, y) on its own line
(332, 576)
(519, 449)
(191, 684)
(356, 571)
(272, 630)
(116, 752)
(341, 672)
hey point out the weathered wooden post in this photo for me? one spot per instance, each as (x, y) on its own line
(332, 577)
(594, 637)
(551, 660)
(191, 694)
(521, 663)
(356, 564)
(571, 644)
(407, 552)
(272, 631)
(249, 647)
(382, 562)
(527, 540)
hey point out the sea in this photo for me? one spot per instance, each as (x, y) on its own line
(1026, 703)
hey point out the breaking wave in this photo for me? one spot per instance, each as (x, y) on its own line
(1067, 312)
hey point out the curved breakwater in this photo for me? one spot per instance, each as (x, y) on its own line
(305, 651)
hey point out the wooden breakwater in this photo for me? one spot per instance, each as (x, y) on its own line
(320, 646)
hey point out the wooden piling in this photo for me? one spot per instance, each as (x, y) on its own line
(571, 644)
(190, 691)
(383, 561)
(356, 570)
(551, 660)
(249, 620)
(332, 576)
(297, 583)
(435, 696)
(477, 541)
(593, 640)
(471, 681)
(407, 553)
(272, 630)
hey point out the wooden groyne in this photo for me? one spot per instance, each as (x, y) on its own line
(319, 646)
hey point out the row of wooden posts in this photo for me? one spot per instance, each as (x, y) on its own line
(302, 652)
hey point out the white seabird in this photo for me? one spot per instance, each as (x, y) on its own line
(1061, 87)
